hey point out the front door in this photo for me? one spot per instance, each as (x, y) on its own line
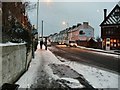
(107, 43)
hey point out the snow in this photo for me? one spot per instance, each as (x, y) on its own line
(11, 44)
(73, 83)
(28, 78)
(44, 59)
(97, 78)
(102, 52)
(63, 71)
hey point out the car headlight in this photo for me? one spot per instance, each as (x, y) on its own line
(71, 44)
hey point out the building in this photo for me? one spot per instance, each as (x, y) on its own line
(81, 33)
(110, 29)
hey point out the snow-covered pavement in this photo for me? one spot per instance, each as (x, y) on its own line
(41, 67)
(96, 77)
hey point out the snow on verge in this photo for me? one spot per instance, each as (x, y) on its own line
(96, 77)
(11, 44)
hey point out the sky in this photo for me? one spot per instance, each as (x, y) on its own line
(53, 13)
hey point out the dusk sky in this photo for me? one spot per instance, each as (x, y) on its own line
(54, 13)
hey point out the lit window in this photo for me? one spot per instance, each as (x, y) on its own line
(114, 40)
(111, 44)
(114, 45)
(111, 40)
(119, 44)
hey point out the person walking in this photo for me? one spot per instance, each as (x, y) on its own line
(35, 45)
(45, 43)
(41, 43)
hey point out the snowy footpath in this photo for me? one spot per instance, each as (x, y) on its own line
(48, 71)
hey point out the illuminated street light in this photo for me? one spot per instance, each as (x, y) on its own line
(48, 1)
(67, 26)
(65, 23)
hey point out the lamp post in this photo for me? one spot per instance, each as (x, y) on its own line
(42, 31)
(67, 26)
(37, 16)
(33, 39)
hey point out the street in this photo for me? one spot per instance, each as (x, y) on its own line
(59, 44)
(49, 71)
(108, 63)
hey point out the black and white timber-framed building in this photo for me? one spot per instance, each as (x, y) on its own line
(110, 29)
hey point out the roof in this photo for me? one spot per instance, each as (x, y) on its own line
(92, 39)
(113, 18)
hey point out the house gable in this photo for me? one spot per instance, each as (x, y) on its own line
(113, 18)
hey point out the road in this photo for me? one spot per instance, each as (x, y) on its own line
(87, 57)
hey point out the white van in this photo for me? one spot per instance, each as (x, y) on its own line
(71, 43)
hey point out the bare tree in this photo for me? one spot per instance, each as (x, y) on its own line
(30, 5)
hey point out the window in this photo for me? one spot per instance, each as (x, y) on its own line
(16, 4)
(115, 40)
(114, 45)
(112, 32)
(111, 40)
(111, 44)
(81, 32)
(109, 32)
(119, 44)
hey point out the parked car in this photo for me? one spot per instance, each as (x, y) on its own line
(71, 43)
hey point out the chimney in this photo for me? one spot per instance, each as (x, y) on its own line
(85, 24)
(105, 13)
(78, 24)
(73, 26)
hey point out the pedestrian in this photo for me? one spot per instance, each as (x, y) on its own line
(45, 43)
(36, 43)
(41, 43)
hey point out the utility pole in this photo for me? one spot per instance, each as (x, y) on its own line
(42, 30)
(37, 17)
(67, 31)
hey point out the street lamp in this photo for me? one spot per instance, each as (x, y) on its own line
(67, 27)
(41, 42)
(65, 23)
(33, 39)
(37, 16)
